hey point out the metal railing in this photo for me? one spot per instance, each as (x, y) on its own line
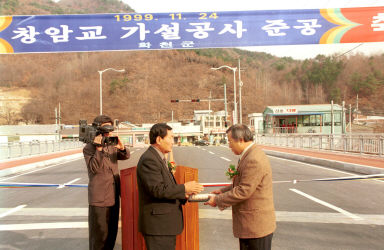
(21, 149)
(363, 144)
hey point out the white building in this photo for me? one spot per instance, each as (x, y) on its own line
(256, 122)
(212, 124)
(27, 133)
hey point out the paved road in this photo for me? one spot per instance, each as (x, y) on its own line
(311, 215)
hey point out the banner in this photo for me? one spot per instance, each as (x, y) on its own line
(192, 30)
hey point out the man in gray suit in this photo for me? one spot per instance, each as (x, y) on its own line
(250, 195)
(160, 197)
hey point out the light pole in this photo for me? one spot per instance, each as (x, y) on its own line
(101, 84)
(234, 89)
(240, 85)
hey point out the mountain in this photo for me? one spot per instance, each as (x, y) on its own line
(143, 93)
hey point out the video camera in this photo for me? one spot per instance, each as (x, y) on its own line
(87, 133)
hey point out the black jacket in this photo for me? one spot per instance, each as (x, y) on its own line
(160, 197)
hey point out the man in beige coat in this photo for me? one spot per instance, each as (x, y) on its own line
(250, 195)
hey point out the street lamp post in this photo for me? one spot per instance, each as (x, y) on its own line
(225, 103)
(240, 86)
(234, 89)
(101, 84)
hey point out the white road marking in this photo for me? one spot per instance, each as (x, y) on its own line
(317, 166)
(13, 210)
(205, 213)
(225, 159)
(211, 152)
(44, 212)
(311, 165)
(301, 217)
(34, 226)
(51, 166)
(340, 210)
(72, 181)
(203, 149)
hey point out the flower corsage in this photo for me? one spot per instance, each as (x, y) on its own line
(231, 172)
(172, 166)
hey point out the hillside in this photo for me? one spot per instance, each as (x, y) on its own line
(153, 78)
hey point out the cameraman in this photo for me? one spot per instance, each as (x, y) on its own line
(104, 184)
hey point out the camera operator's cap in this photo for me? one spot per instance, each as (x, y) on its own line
(102, 119)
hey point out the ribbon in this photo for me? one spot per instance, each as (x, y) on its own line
(214, 184)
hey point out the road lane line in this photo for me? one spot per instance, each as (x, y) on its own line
(44, 214)
(203, 149)
(225, 159)
(54, 225)
(15, 209)
(51, 166)
(72, 181)
(311, 165)
(211, 152)
(340, 210)
(317, 166)
(301, 217)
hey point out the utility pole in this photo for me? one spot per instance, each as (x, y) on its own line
(209, 101)
(240, 85)
(332, 119)
(343, 119)
(357, 107)
(234, 90)
(56, 117)
(350, 119)
(225, 103)
(59, 115)
(350, 126)
(59, 120)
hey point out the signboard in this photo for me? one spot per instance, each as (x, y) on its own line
(284, 110)
(154, 31)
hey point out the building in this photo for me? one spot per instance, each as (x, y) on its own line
(133, 135)
(320, 118)
(256, 123)
(29, 133)
(213, 124)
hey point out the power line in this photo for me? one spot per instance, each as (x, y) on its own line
(351, 50)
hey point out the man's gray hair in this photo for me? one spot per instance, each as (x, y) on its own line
(240, 131)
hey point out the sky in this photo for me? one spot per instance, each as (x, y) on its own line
(294, 51)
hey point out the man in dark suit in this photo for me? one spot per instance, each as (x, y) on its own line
(103, 187)
(250, 195)
(160, 197)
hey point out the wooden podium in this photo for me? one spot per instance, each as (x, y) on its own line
(131, 238)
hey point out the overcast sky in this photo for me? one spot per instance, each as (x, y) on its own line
(295, 51)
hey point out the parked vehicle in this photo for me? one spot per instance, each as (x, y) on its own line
(185, 143)
(201, 143)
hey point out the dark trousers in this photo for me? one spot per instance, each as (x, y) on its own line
(103, 224)
(263, 243)
(160, 242)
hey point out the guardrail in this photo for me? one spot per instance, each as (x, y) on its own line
(20, 149)
(367, 144)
